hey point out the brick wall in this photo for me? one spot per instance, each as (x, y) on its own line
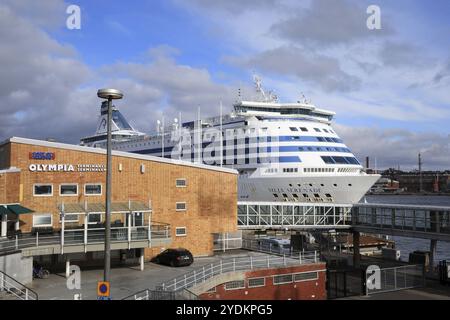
(302, 290)
(9, 187)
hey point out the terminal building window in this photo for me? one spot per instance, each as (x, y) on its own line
(234, 285)
(69, 218)
(43, 190)
(281, 279)
(181, 183)
(94, 189)
(138, 218)
(135, 219)
(68, 190)
(305, 276)
(256, 282)
(43, 220)
(94, 218)
(181, 206)
(180, 231)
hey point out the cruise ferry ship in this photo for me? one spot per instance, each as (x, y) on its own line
(284, 152)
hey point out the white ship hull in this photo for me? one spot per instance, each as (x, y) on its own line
(348, 189)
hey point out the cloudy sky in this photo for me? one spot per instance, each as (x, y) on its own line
(389, 87)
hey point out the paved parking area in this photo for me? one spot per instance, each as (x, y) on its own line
(124, 280)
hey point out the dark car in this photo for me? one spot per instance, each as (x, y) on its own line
(174, 257)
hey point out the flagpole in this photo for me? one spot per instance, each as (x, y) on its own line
(221, 135)
(162, 137)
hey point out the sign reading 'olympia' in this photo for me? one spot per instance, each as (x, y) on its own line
(67, 168)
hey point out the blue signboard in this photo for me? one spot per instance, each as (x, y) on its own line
(42, 155)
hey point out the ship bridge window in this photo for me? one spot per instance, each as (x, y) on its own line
(289, 159)
(325, 130)
(328, 160)
(340, 160)
(317, 129)
(304, 129)
(352, 160)
(293, 128)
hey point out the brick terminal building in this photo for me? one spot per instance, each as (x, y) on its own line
(67, 182)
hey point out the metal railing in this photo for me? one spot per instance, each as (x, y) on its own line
(148, 294)
(89, 236)
(15, 288)
(394, 279)
(261, 245)
(207, 272)
(406, 218)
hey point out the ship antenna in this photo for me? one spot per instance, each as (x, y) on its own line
(258, 86)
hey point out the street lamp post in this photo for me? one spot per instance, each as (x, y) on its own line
(108, 94)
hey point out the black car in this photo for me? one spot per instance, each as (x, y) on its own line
(174, 257)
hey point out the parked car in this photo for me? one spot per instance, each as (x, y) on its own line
(174, 257)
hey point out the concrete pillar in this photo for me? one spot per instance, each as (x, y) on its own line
(3, 226)
(67, 267)
(433, 246)
(141, 260)
(356, 254)
(17, 224)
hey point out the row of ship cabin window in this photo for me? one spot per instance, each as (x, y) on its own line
(316, 195)
(312, 170)
(303, 129)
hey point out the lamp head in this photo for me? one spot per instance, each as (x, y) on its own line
(109, 94)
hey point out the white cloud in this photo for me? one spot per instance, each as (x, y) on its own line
(318, 69)
(46, 91)
(393, 147)
(328, 23)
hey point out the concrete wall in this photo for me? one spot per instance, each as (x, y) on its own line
(18, 267)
